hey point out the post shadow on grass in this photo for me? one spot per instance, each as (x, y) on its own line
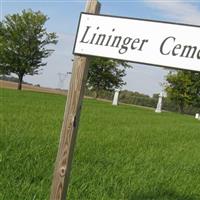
(162, 194)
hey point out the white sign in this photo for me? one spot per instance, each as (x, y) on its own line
(142, 41)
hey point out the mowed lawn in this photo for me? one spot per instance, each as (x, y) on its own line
(122, 152)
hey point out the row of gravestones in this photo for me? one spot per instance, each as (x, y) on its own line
(159, 104)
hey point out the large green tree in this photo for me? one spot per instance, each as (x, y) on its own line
(194, 91)
(106, 74)
(24, 43)
(183, 88)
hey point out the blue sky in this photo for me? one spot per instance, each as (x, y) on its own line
(64, 19)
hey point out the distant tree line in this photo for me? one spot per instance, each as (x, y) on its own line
(137, 98)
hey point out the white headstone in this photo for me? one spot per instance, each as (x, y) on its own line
(197, 116)
(116, 96)
(159, 105)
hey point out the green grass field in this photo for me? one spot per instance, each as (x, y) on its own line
(122, 152)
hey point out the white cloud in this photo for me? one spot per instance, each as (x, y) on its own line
(181, 11)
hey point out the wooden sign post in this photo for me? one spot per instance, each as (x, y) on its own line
(71, 119)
